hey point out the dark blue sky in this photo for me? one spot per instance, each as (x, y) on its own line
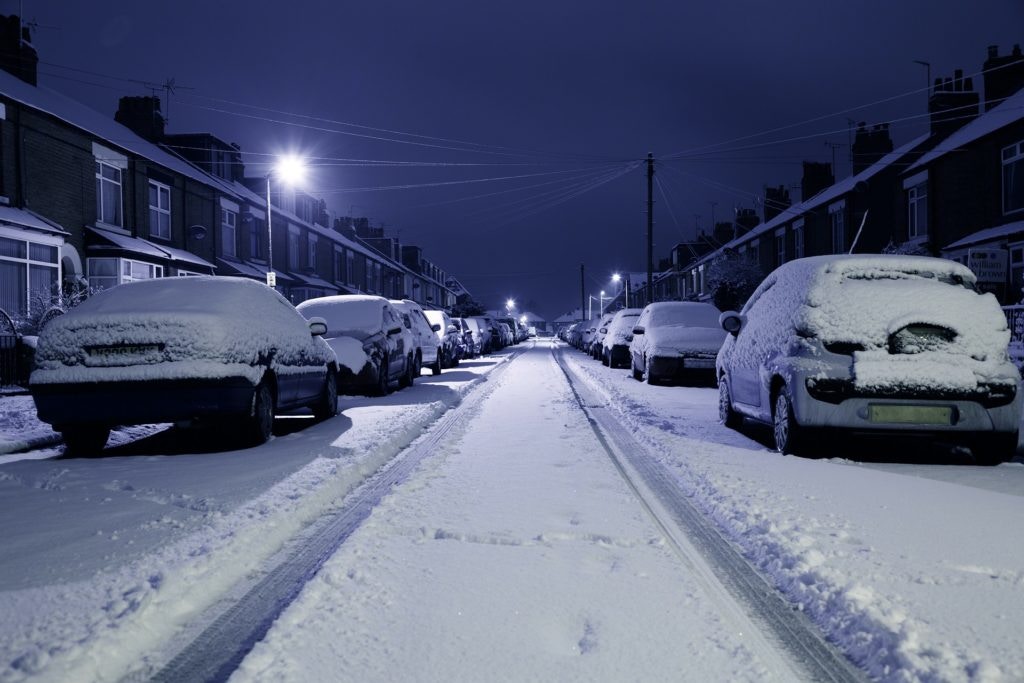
(573, 89)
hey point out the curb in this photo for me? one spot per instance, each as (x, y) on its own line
(31, 443)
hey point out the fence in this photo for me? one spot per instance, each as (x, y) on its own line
(1015, 320)
(9, 351)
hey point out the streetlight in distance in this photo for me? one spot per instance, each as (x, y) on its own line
(616, 277)
(290, 170)
(510, 305)
(601, 303)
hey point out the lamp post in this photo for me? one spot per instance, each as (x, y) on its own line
(601, 304)
(291, 170)
(616, 277)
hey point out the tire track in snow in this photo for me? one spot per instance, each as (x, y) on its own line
(712, 558)
(215, 652)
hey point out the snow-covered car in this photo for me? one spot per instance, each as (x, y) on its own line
(586, 333)
(428, 346)
(597, 341)
(615, 345)
(467, 344)
(872, 344)
(177, 349)
(449, 337)
(676, 340)
(481, 329)
(369, 338)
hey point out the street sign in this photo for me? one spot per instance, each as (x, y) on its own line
(271, 279)
(990, 265)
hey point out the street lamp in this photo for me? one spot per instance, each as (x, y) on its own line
(290, 170)
(616, 277)
(510, 305)
(601, 302)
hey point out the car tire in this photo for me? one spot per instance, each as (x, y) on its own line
(327, 405)
(638, 375)
(790, 438)
(993, 449)
(409, 374)
(648, 375)
(84, 440)
(726, 415)
(258, 426)
(435, 369)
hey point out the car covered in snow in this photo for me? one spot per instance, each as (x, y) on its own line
(597, 341)
(885, 345)
(179, 349)
(427, 344)
(370, 338)
(615, 345)
(482, 334)
(449, 337)
(676, 340)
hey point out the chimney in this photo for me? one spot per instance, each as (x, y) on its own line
(1003, 75)
(746, 220)
(953, 103)
(142, 116)
(776, 200)
(17, 56)
(817, 176)
(870, 145)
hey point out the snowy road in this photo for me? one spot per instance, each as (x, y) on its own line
(505, 542)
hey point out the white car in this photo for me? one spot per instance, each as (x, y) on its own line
(423, 331)
(881, 345)
(615, 345)
(676, 340)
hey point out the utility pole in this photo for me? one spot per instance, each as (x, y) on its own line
(583, 294)
(713, 205)
(650, 227)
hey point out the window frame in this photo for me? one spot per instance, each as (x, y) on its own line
(228, 227)
(156, 212)
(1015, 159)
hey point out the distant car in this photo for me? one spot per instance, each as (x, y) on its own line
(872, 345)
(370, 341)
(597, 341)
(615, 345)
(482, 334)
(676, 340)
(428, 354)
(586, 333)
(177, 349)
(449, 337)
(468, 345)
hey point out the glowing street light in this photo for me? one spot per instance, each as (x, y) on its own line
(510, 305)
(291, 170)
(601, 302)
(616, 277)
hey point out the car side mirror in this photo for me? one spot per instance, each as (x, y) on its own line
(394, 330)
(629, 337)
(317, 327)
(435, 327)
(731, 322)
(638, 330)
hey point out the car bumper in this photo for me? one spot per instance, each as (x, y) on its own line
(123, 403)
(619, 354)
(667, 367)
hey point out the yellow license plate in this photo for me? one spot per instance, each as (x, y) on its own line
(919, 415)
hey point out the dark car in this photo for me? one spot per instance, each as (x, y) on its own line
(370, 338)
(178, 349)
(449, 337)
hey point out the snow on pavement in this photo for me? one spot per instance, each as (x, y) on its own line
(517, 553)
(915, 577)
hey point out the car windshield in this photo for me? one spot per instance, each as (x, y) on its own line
(691, 315)
(345, 316)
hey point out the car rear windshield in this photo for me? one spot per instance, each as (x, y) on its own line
(694, 315)
(346, 316)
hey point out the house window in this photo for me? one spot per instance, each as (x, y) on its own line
(780, 248)
(917, 210)
(159, 210)
(228, 232)
(339, 264)
(311, 240)
(108, 194)
(257, 228)
(29, 273)
(109, 272)
(378, 280)
(293, 248)
(1016, 271)
(798, 241)
(1013, 178)
(350, 268)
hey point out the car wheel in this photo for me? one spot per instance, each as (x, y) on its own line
(789, 436)
(383, 381)
(726, 415)
(651, 379)
(638, 374)
(327, 405)
(992, 449)
(86, 440)
(435, 369)
(407, 376)
(257, 427)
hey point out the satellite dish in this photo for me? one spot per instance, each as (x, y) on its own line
(198, 232)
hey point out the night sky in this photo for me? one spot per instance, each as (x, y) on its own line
(569, 95)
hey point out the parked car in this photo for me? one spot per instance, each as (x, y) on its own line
(428, 348)
(448, 337)
(370, 340)
(872, 344)
(615, 345)
(482, 333)
(676, 340)
(597, 341)
(586, 333)
(469, 347)
(177, 349)
(507, 337)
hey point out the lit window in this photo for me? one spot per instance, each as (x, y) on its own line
(159, 210)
